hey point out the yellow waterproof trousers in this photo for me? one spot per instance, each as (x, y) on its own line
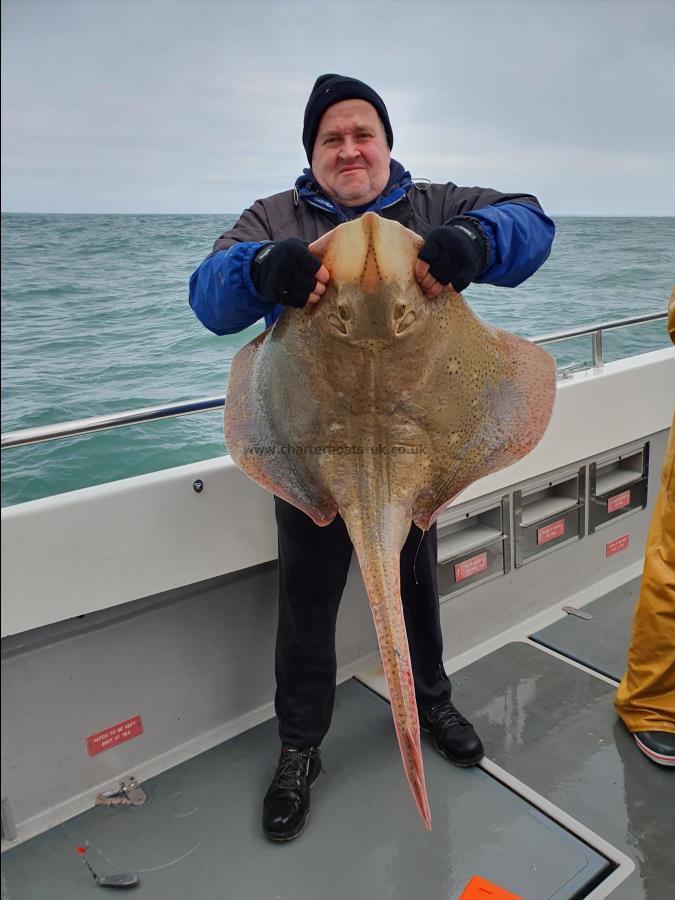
(645, 699)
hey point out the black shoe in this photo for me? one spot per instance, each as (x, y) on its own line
(659, 746)
(453, 736)
(286, 804)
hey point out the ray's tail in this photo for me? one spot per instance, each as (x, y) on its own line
(379, 558)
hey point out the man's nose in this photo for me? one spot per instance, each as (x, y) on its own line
(349, 149)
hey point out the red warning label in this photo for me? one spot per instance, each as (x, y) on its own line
(617, 545)
(550, 532)
(470, 567)
(618, 501)
(116, 734)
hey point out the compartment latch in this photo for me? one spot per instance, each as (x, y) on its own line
(130, 793)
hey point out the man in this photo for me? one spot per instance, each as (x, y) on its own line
(262, 265)
(645, 699)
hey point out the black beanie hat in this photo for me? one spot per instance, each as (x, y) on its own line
(330, 89)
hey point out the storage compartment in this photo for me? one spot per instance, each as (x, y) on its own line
(617, 486)
(474, 548)
(548, 515)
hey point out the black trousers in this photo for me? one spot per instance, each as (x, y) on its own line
(313, 567)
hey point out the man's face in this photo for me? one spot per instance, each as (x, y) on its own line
(351, 157)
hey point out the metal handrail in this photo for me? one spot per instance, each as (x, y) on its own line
(184, 408)
(596, 331)
(43, 433)
(600, 326)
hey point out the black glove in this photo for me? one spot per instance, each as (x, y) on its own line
(283, 272)
(456, 252)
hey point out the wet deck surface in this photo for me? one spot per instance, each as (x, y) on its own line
(199, 836)
(601, 643)
(547, 723)
(554, 727)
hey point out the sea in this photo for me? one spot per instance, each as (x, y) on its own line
(96, 319)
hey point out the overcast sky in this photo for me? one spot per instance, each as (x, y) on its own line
(196, 105)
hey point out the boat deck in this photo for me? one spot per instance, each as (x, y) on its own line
(564, 805)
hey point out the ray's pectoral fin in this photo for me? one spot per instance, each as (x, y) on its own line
(513, 408)
(256, 446)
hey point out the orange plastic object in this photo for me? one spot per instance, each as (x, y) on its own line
(481, 889)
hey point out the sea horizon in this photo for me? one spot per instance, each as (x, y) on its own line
(553, 215)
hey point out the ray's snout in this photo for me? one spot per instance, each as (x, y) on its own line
(371, 262)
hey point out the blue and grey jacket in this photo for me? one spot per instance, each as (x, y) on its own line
(518, 232)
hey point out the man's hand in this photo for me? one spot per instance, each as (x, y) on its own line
(453, 255)
(286, 272)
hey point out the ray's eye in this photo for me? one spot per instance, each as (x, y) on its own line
(344, 312)
(405, 322)
(399, 311)
(337, 323)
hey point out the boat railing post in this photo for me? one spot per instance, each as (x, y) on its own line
(597, 349)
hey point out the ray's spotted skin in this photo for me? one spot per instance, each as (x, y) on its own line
(382, 405)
